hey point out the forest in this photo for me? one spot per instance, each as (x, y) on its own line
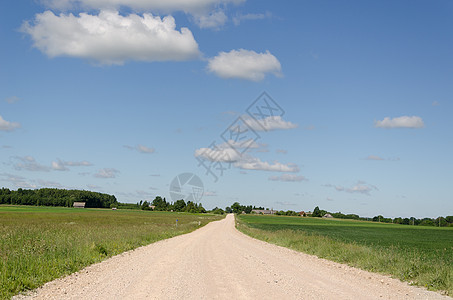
(56, 197)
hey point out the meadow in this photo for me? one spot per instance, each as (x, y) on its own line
(417, 254)
(39, 244)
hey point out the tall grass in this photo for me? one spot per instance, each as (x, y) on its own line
(431, 268)
(39, 244)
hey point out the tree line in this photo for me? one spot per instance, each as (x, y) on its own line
(56, 197)
(237, 208)
(161, 204)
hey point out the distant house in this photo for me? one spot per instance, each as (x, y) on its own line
(302, 214)
(264, 211)
(327, 216)
(152, 207)
(79, 204)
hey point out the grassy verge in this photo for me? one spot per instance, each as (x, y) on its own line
(39, 244)
(419, 255)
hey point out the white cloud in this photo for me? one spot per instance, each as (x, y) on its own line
(106, 173)
(18, 181)
(213, 19)
(12, 99)
(59, 166)
(249, 17)
(374, 157)
(8, 126)
(144, 149)
(281, 151)
(167, 6)
(269, 123)
(62, 165)
(288, 178)
(360, 188)
(110, 38)
(77, 163)
(220, 154)
(248, 162)
(244, 64)
(141, 148)
(225, 154)
(28, 163)
(400, 122)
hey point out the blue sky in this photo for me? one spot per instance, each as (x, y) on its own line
(122, 96)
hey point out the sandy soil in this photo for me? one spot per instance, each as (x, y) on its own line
(219, 262)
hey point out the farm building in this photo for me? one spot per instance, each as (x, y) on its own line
(79, 204)
(327, 216)
(302, 214)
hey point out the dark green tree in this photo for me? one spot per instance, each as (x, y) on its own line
(236, 207)
(179, 205)
(316, 212)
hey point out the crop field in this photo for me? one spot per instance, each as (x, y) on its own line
(39, 244)
(417, 254)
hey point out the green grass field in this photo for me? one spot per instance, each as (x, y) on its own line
(417, 254)
(39, 244)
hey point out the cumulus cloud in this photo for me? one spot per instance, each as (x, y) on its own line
(110, 38)
(400, 122)
(144, 149)
(218, 154)
(244, 64)
(230, 151)
(141, 149)
(8, 126)
(106, 173)
(250, 17)
(288, 178)
(269, 123)
(225, 154)
(28, 163)
(213, 19)
(59, 166)
(374, 157)
(248, 162)
(167, 6)
(360, 187)
(77, 163)
(18, 181)
(62, 165)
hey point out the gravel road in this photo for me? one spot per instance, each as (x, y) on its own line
(219, 262)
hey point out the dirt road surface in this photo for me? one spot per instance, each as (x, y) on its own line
(219, 262)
